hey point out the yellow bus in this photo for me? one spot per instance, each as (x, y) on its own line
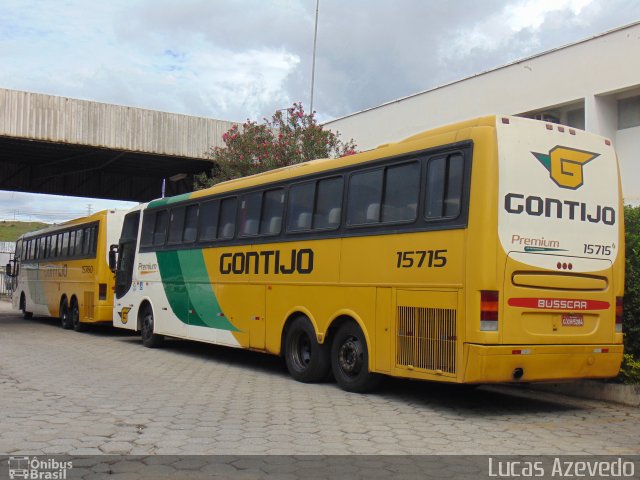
(63, 271)
(486, 251)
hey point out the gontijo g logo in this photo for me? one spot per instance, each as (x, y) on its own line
(565, 165)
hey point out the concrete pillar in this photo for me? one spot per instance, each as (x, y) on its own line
(601, 115)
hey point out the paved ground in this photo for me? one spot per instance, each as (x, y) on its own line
(63, 392)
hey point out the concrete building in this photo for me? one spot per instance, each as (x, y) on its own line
(593, 84)
(66, 146)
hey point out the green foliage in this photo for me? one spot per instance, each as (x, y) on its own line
(291, 136)
(631, 318)
(630, 370)
(11, 230)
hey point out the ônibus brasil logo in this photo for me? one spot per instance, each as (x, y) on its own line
(565, 165)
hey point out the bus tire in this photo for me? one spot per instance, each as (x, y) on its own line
(74, 314)
(350, 360)
(147, 326)
(65, 320)
(307, 360)
(23, 307)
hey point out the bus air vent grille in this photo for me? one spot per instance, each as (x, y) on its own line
(426, 338)
(88, 305)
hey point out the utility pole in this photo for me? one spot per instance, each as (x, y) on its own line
(313, 61)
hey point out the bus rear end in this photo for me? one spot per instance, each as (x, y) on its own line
(554, 309)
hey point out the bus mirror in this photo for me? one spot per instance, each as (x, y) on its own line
(7, 269)
(113, 251)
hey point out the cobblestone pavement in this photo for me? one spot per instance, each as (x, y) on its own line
(101, 392)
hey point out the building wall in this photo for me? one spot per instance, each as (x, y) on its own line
(593, 74)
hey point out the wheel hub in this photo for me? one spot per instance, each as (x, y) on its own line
(350, 356)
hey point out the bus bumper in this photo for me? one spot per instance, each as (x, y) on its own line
(537, 363)
(101, 313)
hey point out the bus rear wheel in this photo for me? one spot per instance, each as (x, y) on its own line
(74, 314)
(149, 339)
(306, 359)
(65, 320)
(350, 360)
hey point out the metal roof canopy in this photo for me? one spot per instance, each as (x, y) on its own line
(84, 171)
(66, 146)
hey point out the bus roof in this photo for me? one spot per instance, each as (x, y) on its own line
(320, 165)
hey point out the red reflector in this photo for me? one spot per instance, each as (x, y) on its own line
(607, 142)
(102, 291)
(572, 132)
(549, 127)
(516, 352)
(505, 121)
(605, 350)
(561, 129)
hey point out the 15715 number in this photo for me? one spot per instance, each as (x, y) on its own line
(590, 249)
(420, 258)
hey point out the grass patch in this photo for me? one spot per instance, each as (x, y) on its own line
(11, 230)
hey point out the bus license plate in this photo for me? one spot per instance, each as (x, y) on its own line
(572, 320)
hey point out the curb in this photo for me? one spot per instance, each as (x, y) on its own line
(591, 389)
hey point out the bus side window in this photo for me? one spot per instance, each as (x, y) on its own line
(53, 246)
(227, 224)
(86, 240)
(58, 245)
(300, 209)
(79, 237)
(40, 243)
(272, 210)
(65, 244)
(72, 243)
(250, 213)
(160, 228)
(176, 225)
(94, 240)
(190, 232)
(328, 208)
(148, 224)
(444, 187)
(208, 220)
(401, 193)
(365, 194)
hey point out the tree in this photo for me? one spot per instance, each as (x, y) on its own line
(291, 136)
(631, 318)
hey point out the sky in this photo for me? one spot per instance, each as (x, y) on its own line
(240, 59)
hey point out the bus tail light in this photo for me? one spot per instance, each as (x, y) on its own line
(102, 291)
(619, 311)
(489, 311)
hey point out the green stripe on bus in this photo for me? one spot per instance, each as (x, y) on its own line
(186, 283)
(161, 202)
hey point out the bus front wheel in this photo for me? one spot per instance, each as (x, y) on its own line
(23, 307)
(306, 359)
(350, 360)
(149, 339)
(65, 320)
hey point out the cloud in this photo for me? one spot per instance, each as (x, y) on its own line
(247, 58)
